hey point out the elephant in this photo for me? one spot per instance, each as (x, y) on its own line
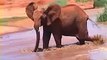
(69, 20)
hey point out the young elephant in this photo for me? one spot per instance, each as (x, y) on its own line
(69, 20)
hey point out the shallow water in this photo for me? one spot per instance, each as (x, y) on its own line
(98, 54)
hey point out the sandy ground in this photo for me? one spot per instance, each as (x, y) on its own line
(19, 45)
(16, 26)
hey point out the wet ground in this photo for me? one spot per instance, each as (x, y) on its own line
(19, 45)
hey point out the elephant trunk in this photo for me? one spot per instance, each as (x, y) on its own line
(37, 23)
(37, 39)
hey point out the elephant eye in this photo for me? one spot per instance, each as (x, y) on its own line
(44, 15)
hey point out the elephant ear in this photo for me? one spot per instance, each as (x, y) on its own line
(30, 9)
(53, 12)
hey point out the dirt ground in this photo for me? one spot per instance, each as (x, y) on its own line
(17, 41)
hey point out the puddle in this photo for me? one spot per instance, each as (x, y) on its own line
(6, 58)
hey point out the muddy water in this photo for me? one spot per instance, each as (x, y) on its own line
(19, 45)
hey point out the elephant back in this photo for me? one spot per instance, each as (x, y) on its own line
(30, 9)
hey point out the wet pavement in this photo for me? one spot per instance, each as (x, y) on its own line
(19, 45)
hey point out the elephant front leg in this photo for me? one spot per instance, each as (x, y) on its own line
(46, 38)
(57, 38)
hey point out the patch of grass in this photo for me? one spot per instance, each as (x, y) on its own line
(11, 19)
(100, 3)
(61, 2)
(82, 1)
(4, 21)
(103, 16)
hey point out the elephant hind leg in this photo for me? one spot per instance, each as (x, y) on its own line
(82, 31)
(81, 41)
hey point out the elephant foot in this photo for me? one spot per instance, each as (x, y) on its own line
(39, 50)
(59, 46)
(46, 49)
(80, 43)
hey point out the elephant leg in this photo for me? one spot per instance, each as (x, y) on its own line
(82, 31)
(46, 38)
(81, 41)
(57, 38)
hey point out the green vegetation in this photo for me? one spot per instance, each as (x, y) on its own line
(4, 21)
(100, 3)
(103, 16)
(11, 19)
(61, 2)
(83, 1)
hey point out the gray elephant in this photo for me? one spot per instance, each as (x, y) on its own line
(69, 20)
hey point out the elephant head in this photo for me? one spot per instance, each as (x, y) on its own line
(52, 13)
(42, 17)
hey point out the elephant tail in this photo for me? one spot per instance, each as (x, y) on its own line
(94, 23)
